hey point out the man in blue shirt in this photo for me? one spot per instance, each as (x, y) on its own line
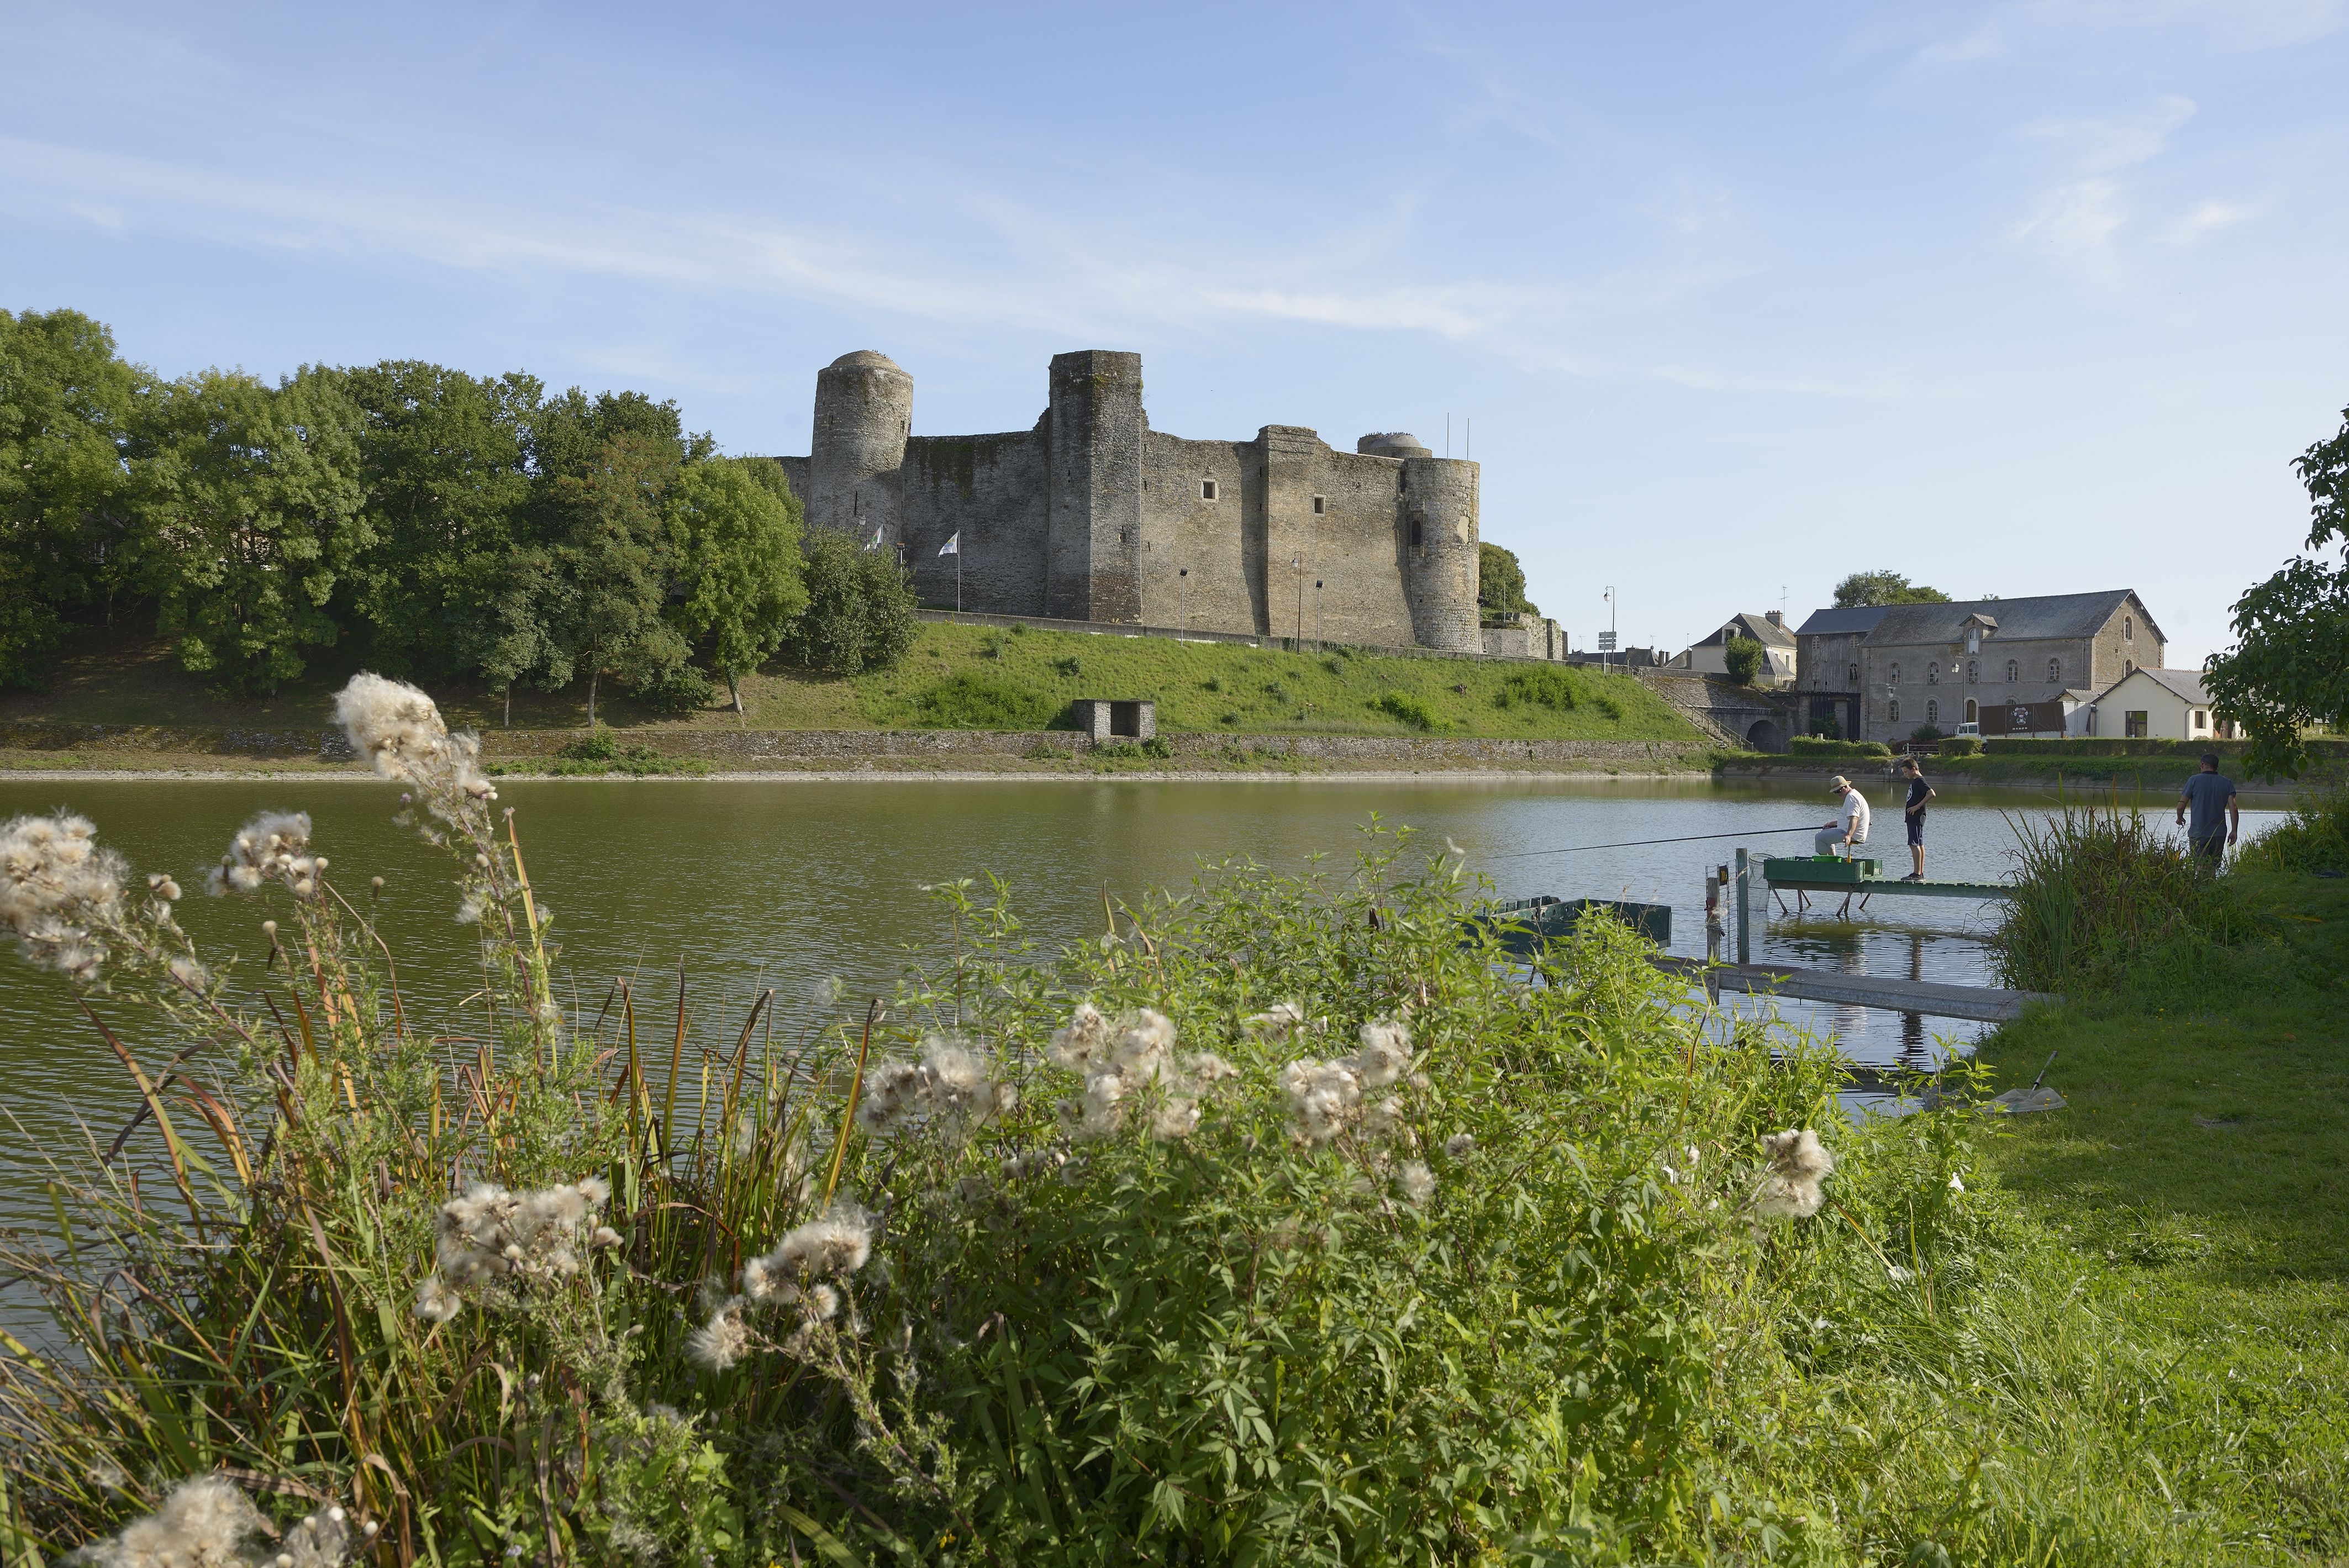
(2217, 817)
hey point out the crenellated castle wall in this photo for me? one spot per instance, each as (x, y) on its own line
(1093, 516)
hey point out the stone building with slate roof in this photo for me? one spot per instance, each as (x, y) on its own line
(1880, 671)
(1709, 655)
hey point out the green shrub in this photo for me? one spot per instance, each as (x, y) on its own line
(860, 613)
(1828, 727)
(970, 700)
(1158, 746)
(1606, 704)
(1961, 746)
(1814, 746)
(1228, 719)
(1742, 657)
(678, 689)
(1925, 733)
(2314, 838)
(1552, 689)
(598, 746)
(1070, 667)
(1212, 683)
(1403, 706)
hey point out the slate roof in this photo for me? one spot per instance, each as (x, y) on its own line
(1843, 622)
(2048, 616)
(1760, 628)
(2186, 685)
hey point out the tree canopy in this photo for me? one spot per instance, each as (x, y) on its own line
(1742, 657)
(2288, 668)
(1501, 581)
(1884, 588)
(446, 525)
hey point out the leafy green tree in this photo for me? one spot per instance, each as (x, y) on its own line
(1884, 589)
(2288, 668)
(612, 550)
(446, 459)
(68, 534)
(860, 610)
(1501, 581)
(1742, 657)
(252, 496)
(738, 545)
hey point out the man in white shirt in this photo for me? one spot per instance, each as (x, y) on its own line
(1849, 824)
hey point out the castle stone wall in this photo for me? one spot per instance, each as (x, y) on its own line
(993, 490)
(1092, 562)
(1182, 530)
(864, 414)
(1440, 556)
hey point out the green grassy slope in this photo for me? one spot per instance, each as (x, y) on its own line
(2202, 1173)
(955, 677)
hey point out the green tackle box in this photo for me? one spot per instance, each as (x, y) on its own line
(1819, 869)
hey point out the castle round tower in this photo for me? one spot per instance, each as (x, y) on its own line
(864, 412)
(1440, 555)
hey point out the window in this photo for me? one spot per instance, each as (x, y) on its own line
(1932, 712)
(1851, 675)
(2054, 672)
(1934, 673)
(1206, 490)
(2133, 724)
(2201, 718)
(1320, 505)
(1895, 714)
(1974, 714)
(1974, 672)
(2013, 671)
(2128, 666)
(2128, 628)
(1418, 520)
(1896, 674)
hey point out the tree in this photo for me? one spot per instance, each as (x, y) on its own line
(860, 609)
(68, 534)
(611, 552)
(1742, 655)
(2288, 668)
(1501, 581)
(1884, 589)
(735, 528)
(253, 498)
(446, 461)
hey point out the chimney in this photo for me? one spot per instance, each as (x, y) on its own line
(1775, 617)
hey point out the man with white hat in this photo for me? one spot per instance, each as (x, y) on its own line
(1849, 824)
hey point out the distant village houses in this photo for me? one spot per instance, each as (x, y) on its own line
(2022, 665)
(1710, 654)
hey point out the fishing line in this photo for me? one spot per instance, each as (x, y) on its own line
(1641, 842)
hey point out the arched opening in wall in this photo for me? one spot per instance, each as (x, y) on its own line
(1767, 735)
(1418, 530)
(1973, 713)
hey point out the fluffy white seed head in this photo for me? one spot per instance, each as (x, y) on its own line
(1416, 1181)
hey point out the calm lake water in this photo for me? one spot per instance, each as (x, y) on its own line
(786, 883)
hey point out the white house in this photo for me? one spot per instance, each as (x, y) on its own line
(1710, 655)
(2155, 705)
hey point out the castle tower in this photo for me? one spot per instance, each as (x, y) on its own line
(864, 412)
(1092, 550)
(1440, 554)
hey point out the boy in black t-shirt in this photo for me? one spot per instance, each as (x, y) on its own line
(1920, 791)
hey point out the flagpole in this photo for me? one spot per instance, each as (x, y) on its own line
(957, 582)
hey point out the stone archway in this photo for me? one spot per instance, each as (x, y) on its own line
(1767, 735)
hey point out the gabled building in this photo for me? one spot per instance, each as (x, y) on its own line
(1709, 655)
(2153, 704)
(1883, 670)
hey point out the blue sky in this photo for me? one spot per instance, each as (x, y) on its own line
(2016, 298)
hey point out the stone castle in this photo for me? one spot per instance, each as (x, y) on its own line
(1092, 515)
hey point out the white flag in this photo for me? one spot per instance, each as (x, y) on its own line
(875, 542)
(952, 547)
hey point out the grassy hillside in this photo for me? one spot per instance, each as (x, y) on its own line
(957, 677)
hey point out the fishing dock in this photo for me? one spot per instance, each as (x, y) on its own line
(1987, 1004)
(1861, 879)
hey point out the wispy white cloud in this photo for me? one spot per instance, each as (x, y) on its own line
(2100, 145)
(2077, 221)
(2021, 30)
(2206, 219)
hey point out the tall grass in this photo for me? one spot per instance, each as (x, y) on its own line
(2313, 838)
(2098, 890)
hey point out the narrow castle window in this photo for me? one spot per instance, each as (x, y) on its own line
(2054, 672)
(1206, 490)
(1852, 675)
(1415, 539)
(1320, 505)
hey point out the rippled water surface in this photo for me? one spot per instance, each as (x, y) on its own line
(783, 883)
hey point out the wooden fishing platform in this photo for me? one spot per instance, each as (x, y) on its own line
(1984, 1004)
(1803, 875)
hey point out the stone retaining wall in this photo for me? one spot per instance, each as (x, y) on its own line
(751, 747)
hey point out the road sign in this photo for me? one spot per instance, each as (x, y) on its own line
(1606, 642)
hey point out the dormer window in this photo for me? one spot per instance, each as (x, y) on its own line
(1206, 490)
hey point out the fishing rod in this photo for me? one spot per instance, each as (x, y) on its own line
(1642, 843)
